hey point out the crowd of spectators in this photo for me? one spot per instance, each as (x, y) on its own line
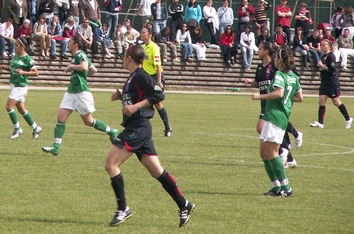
(52, 22)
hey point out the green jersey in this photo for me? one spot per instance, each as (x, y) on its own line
(278, 111)
(25, 63)
(78, 81)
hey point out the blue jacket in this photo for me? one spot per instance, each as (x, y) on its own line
(112, 5)
(163, 11)
(193, 13)
(58, 30)
(100, 33)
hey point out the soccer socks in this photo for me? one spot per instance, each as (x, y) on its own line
(279, 171)
(102, 126)
(344, 112)
(13, 116)
(58, 134)
(28, 117)
(273, 178)
(292, 130)
(117, 183)
(164, 117)
(170, 185)
(321, 114)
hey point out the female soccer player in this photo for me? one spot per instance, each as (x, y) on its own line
(78, 96)
(330, 86)
(152, 65)
(140, 92)
(264, 75)
(284, 89)
(21, 67)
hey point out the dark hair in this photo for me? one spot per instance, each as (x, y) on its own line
(287, 58)
(280, 25)
(165, 31)
(149, 23)
(24, 41)
(200, 30)
(105, 23)
(10, 20)
(232, 30)
(190, 4)
(267, 45)
(42, 16)
(339, 9)
(149, 30)
(78, 40)
(136, 52)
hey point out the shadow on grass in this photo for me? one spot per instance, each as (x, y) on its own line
(44, 220)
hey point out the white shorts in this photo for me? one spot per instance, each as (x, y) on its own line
(81, 102)
(272, 133)
(18, 93)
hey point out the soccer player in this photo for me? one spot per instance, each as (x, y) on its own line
(284, 89)
(330, 86)
(21, 67)
(78, 96)
(264, 75)
(152, 65)
(140, 92)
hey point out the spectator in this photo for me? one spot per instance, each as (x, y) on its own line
(347, 20)
(159, 15)
(260, 16)
(248, 47)
(211, 21)
(85, 31)
(125, 26)
(163, 40)
(33, 11)
(265, 36)
(176, 12)
(303, 19)
(74, 12)
(144, 10)
(129, 38)
(284, 17)
(18, 10)
(183, 39)
(7, 37)
(335, 21)
(328, 36)
(345, 45)
(314, 44)
(46, 8)
(56, 33)
(25, 31)
(90, 9)
(227, 46)
(118, 40)
(40, 33)
(198, 43)
(69, 29)
(112, 13)
(60, 9)
(245, 13)
(300, 45)
(280, 37)
(226, 16)
(192, 14)
(102, 36)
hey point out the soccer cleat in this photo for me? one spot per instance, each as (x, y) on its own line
(113, 136)
(120, 216)
(272, 193)
(168, 132)
(291, 164)
(51, 149)
(316, 125)
(16, 133)
(184, 214)
(280, 193)
(348, 123)
(35, 133)
(289, 193)
(298, 140)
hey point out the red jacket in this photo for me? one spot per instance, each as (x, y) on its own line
(226, 39)
(250, 10)
(23, 31)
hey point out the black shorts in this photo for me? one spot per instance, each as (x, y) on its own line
(163, 81)
(263, 104)
(136, 137)
(330, 90)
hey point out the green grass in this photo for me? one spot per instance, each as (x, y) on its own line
(213, 154)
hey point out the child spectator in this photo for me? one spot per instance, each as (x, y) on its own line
(7, 36)
(163, 40)
(118, 40)
(280, 37)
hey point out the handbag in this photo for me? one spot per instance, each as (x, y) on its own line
(192, 23)
(59, 38)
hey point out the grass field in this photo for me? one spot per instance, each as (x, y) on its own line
(213, 154)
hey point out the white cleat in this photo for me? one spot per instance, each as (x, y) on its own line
(348, 123)
(316, 125)
(298, 140)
